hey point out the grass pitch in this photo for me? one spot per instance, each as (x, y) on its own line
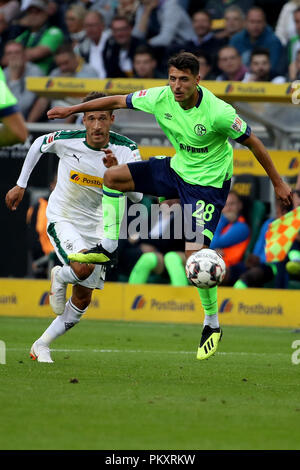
(127, 386)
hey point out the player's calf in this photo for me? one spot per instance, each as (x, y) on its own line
(58, 289)
(81, 297)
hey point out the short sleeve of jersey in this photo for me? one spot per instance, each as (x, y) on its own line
(229, 123)
(133, 156)
(8, 103)
(144, 100)
(51, 144)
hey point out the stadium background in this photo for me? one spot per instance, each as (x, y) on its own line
(131, 380)
(269, 110)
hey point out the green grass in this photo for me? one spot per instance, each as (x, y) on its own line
(141, 387)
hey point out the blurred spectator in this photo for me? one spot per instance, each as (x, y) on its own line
(260, 68)
(294, 42)
(145, 64)
(10, 9)
(13, 130)
(163, 23)
(231, 65)
(205, 40)
(286, 28)
(92, 47)
(234, 19)
(7, 33)
(40, 40)
(294, 69)
(17, 70)
(171, 263)
(184, 4)
(68, 65)
(120, 48)
(232, 236)
(205, 67)
(161, 253)
(74, 19)
(105, 7)
(255, 271)
(293, 264)
(217, 8)
(257, 34)
(127, 8)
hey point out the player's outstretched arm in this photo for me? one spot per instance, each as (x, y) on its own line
(99, 104)
(282, 190)
(15, 194)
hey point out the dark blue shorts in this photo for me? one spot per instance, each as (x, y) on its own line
(202, 205)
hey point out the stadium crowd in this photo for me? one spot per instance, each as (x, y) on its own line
(234, 40)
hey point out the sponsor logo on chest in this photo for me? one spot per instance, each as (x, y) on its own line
(189, 148)
(85, 180)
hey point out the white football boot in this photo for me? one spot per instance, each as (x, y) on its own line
(40, 352)
(58, 289)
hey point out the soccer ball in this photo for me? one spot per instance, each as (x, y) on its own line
(205, 268)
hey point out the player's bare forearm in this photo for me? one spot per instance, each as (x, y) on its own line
(99, 104)
(262, 156)
(282, 190)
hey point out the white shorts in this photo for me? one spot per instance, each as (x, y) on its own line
(66, 240)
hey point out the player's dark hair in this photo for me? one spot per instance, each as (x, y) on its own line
(93, 95)
(185, 61)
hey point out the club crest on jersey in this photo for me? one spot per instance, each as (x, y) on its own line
(86, 180)
(51, 137)
(199, 129)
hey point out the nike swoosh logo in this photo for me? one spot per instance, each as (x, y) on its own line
(77, 158)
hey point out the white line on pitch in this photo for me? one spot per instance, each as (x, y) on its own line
(139, 351)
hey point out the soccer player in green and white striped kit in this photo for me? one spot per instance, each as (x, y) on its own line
(198, 125)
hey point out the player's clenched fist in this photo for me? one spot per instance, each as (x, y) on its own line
(14, 197)
(284, 193)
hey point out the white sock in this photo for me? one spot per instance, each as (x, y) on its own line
(62, 323)
(211, 320)
(67, 275)
(109, 245)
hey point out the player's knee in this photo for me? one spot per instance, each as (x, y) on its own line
(83, 271)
